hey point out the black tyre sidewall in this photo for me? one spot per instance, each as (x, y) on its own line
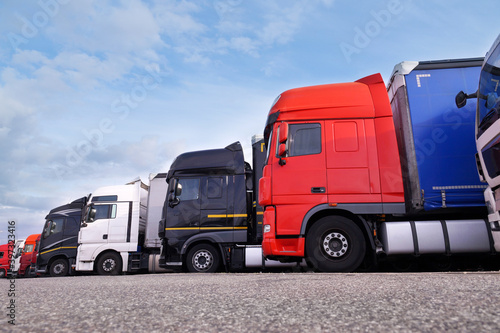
(356, 240)
(208, 248)
(118, 261)
(65, 271)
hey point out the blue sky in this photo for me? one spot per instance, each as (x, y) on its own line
(96, 93)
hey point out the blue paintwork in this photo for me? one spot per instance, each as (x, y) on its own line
(444, 135)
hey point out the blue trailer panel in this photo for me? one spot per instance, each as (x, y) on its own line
(436, 139)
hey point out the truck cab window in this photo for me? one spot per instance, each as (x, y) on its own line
(214, 187)
(190, 188)
(28, 248)
(489, 90)
(72, 226)
(46, 229)
(304, 139)
(53, 227)
(105, 212)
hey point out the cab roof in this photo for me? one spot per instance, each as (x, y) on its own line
(364, 98)
(227, 160)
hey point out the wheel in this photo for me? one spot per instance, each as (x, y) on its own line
(26, 272)
(442, 263)
(335, 244)
(203, 258)
(109, 264)
(59, 267)
(404, 265)
(2, 273)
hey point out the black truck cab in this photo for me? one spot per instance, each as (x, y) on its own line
(209, 215)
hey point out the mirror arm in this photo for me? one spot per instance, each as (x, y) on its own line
(174, 202)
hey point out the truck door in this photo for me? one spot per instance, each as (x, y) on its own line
(299, 172)
(183, 211)
(70, 231)
(97, 223)
(119, 222)
(52, 234)
(214, 204)
(352, 161)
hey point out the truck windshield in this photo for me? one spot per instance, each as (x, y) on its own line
(489, 85)
(28, 248)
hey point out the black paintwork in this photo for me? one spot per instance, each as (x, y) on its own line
(222, 213)
(63, 242)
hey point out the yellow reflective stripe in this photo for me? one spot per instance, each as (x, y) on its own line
(182, 228)
(209, 228)
(226, 215)
(58, 248)
(226, 228)
(260, 213)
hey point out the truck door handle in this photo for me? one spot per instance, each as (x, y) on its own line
(318, 190)
(105, 236)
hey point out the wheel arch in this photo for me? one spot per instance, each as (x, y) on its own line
(217, 247)
(54, 258)
(202, 240)
(100, 255)
(324, 210)
(212, 238)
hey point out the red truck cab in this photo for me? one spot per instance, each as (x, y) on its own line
(332, 156)
(27, 257)
(4, 259)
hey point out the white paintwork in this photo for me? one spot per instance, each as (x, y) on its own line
(16, 255)
(90, 237)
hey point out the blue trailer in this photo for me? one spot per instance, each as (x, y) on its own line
(436, 138)
(445, 208)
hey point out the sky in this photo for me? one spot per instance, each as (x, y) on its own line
(98, 92)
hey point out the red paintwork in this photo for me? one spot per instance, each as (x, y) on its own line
(359, 162)
(5, 260)
(27, 255)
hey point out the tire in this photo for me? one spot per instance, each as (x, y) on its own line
(109, 264)
(59, 267)
(442, 264)
(3, 273)
(335, 244)
(404, 265)
(203, 258)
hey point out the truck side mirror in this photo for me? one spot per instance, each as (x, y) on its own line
(173, 200)
(174, 187)
(282, 153)
(282, 150)
(283, 133)
(175, 190)
(461, 99)
(282, 138)
(91, 216)
(178, 189)
(52, 228)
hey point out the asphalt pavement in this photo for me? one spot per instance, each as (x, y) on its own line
(256, 302)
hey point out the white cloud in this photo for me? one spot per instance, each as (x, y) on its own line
(97, 26)
(281, 26)
(246, 45)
